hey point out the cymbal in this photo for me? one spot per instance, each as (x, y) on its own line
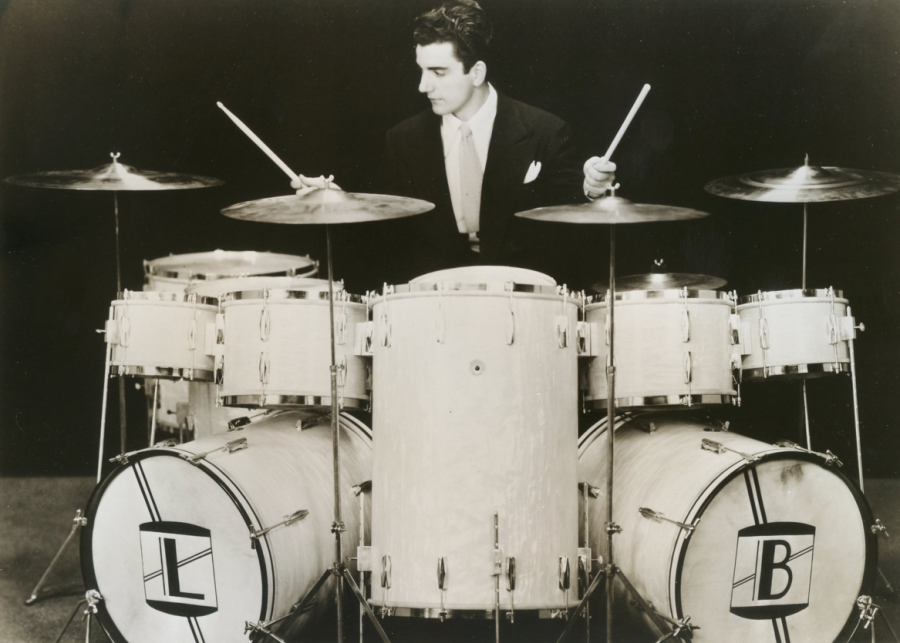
(663, 281)
(805, 184)
(327, 205)
(114, 176)
(610, 210)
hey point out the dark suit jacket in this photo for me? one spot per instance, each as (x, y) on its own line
(414, 165)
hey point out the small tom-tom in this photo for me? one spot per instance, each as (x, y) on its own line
(673, 348)
(753, 542)
(794, 334)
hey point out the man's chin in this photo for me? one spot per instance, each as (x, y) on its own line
(440, 109)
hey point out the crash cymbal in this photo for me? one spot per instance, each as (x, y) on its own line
(805, 184)
(327, 206)
(663, 281)
(113, 177)
(610, 210)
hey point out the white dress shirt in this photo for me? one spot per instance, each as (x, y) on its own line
(482, 124)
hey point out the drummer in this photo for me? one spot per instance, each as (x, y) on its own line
(477, 154)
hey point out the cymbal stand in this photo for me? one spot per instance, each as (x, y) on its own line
(91, 598)
(803, 287)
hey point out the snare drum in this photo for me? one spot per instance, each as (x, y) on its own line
(476, 411)
(752, 542)
(175, 272)
(794, 334)
(190, 543)
(161, 334)
(276, 344)
(673, 348)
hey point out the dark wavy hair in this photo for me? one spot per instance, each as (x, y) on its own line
(463, 24)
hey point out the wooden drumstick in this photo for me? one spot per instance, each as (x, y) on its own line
(265, 148)
(628, 119)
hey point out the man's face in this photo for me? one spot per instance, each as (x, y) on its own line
(445, 83)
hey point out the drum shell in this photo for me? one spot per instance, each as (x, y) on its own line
(650, 351)
(469, 426)
(282, 470)
(298, 350)
(798, 335)
(164, 338)
(694, 576)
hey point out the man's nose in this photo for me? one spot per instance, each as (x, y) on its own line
(424, 85)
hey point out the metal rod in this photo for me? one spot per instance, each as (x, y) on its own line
(78, 522)
(335, 442)
(658, 620)
(122, 411)
(362, 601)
(806, 417)
(362, 574)
(610, 431)
(859, 463)
(69, 622)
(889, 626)
(103, 405)
(153, 414)
(584, 600)
(497, 580)
(803, 274)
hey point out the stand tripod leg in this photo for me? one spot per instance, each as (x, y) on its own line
(806, 417)
(79, 521)
(365, 605)
(69, 622)
(887, 583)
(581, 605)
(103, 405)
(153, 413)
(859, 463)
(890, 628)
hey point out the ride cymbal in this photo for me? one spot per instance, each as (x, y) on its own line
(805, 184)
(608, 210)
(114, 176)
(663, 281)
(326, 206)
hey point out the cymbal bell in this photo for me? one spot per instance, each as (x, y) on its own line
(663, 281)
(805, 184)
(327, 205)
(114, 176)
(608, 210)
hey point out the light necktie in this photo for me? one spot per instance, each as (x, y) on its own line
(470, 178)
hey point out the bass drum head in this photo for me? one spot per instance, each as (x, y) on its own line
(748, 566)
(168, 543)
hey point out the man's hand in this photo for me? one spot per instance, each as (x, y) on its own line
(307, 182)
(599, 175)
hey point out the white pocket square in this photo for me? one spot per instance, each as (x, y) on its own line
(533, 171)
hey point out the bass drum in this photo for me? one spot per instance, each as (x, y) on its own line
(173, 541)
(752, 542)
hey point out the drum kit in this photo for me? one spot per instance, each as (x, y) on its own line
(472, 494)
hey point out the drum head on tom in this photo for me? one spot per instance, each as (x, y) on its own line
(175, 272)
(486, 274)
(174, 541)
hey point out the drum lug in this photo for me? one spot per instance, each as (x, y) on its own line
(685, 326)
(562, 330)
(612, 528)
(511, 587)
(111, 331)
(586, 336)
(364, 333)
(255, 534)
(879, 528)
(229, 447)
(848, 328)
(657, 516)
(564, 573)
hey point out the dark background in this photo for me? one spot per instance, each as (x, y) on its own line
(737, 86)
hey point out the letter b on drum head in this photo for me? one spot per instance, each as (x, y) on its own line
(772, 570)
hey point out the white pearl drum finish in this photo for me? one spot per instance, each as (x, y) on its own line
(277, 349)
(160, 334)
(821, 553)
(175, 272)
(801, 330)
(476, 412)
(671, 350)
(205, 511)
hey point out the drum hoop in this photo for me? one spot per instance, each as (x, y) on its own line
(153, 267)
(253, 401)
(705, 497)
(491, 287)
(665, 295)
(162, 372)
(774, 296)
(663, 401)
(798, 371)
(473, 614)
(164, 296)
(267, 572)
(290, 294)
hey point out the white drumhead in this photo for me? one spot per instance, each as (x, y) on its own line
(486, 275)
(219, 264)
(240, 284)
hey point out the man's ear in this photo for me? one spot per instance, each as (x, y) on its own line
(479, 73)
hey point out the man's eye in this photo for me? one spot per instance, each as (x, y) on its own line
(439, 73)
